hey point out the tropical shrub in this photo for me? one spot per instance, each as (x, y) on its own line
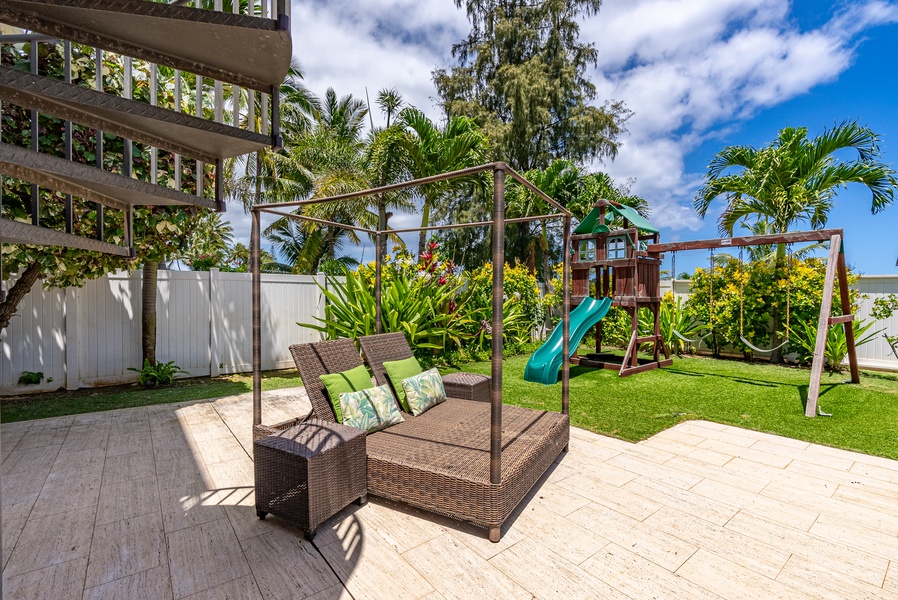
(31, 377)
(672, 319)
(761, 293)
(162, 373)
(836, 342)
(523, 310)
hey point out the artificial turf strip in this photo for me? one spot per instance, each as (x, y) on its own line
(756, 396)
(55, 404)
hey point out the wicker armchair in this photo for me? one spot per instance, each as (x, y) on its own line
(440, 460)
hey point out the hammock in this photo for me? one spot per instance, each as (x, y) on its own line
(697, 340)
(761, 350)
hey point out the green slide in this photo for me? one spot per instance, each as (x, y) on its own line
(544, 364)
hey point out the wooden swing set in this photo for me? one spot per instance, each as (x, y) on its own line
(835, 267)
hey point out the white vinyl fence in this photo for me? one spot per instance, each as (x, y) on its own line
(875, 354)
(80, 337)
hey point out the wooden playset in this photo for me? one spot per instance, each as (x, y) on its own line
(618, 251)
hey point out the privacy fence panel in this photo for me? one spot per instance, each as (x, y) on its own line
(90, 336)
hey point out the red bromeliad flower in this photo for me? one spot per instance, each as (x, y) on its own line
(442, 280)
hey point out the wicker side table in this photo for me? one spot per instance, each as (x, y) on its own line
(467, 386)
(309, 472)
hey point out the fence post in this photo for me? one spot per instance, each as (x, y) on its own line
(214, 322)
(72, 371)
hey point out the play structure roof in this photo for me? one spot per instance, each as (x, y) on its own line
(591, 224)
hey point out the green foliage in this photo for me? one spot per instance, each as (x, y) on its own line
(417, 299)
(671, 318)
(522, 309)
(836, 342)
(793, 179)
(766, 291)
(31, 377)
(162, 373)
(160, 231)
(439, 309)
(521, 75)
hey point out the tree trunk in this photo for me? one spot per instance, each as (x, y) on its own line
(425, 222)
(148, 311)
(23, 285)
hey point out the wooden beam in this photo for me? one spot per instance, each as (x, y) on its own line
(846, 306)
(823, 326)
(751, 240)
(841, 319)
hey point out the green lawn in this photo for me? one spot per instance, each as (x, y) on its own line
(54, 404)
(755, 396)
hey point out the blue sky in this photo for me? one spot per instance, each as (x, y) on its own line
(698, 74)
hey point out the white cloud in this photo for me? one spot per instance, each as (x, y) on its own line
(691, 69)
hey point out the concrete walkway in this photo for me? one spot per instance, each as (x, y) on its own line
(157, 503)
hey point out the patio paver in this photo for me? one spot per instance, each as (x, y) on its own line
(157, 502)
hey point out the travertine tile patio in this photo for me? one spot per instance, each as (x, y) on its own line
(157, 503)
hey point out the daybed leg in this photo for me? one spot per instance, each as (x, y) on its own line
(363, 500)
(567, 447)
(261, 514)
(495, 533)
(310, 534)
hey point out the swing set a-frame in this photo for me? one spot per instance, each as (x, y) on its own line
(835, 268)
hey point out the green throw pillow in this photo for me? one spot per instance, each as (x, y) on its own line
(424, 391)
(370, 410)
(397, 370)
(352, 380)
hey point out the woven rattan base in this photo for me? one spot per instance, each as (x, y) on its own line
(467, 386)
(440, 461)
(309, 472)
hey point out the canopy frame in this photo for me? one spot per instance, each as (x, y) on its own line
(498, 221)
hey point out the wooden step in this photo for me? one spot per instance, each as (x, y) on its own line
(176, 132)
(251, 52)
(90, 183)
(16, 232)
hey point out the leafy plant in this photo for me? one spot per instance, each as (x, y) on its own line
(30, 377)
(162, 373)
(836, 343)
(672, 318)
(421, 308)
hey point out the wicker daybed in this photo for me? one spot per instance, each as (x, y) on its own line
(473, 460)
(440, 460)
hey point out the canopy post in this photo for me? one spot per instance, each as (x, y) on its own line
(496, 334)
(255, 265)
(566, 319)
(379, 262)
(378, 277)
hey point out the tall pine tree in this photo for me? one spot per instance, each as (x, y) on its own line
(521, 74)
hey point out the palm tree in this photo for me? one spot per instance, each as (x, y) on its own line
(794, 179)
(389, 101)
(561, 180)
(431, 150)
(209, 237)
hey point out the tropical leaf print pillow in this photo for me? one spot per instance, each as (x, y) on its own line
(424, 391)
(370, 410)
